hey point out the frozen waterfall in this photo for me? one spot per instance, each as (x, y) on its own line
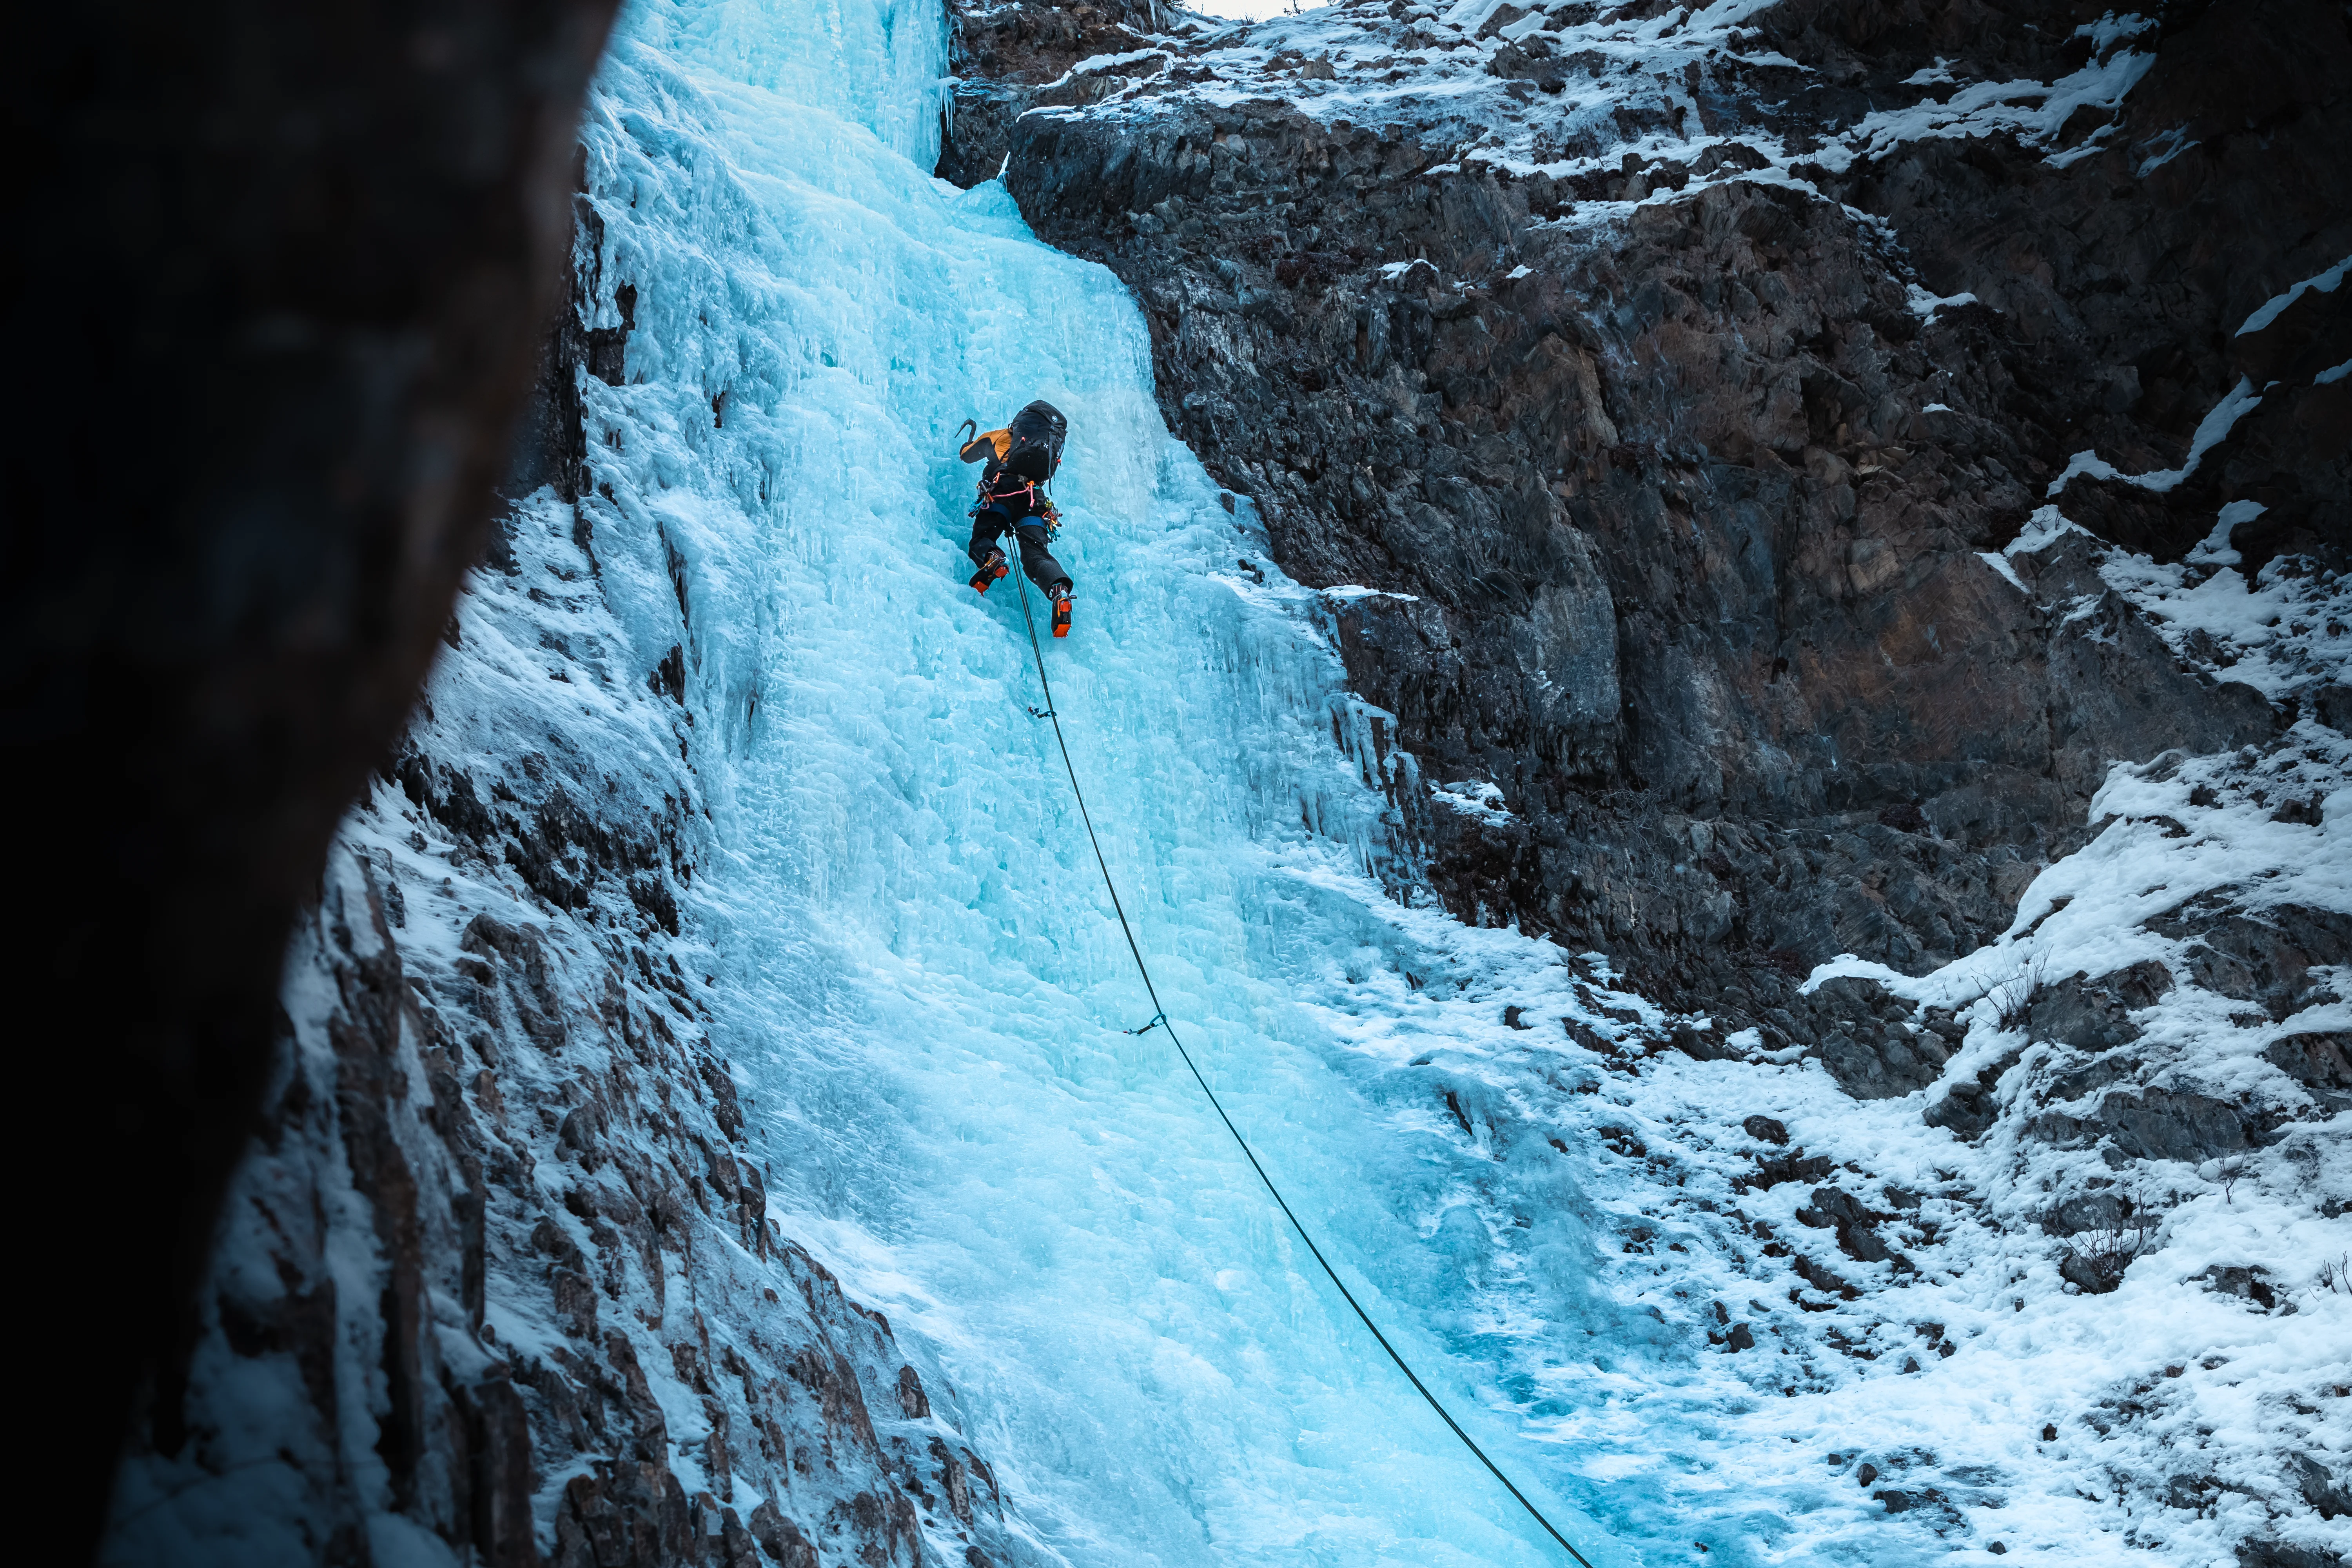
(920, 974)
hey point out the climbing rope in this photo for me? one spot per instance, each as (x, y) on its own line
(1160, 1021)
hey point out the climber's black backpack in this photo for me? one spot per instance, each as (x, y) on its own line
(1029, 447)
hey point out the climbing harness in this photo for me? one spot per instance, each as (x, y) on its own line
(1041, 508)
(1160, 1021)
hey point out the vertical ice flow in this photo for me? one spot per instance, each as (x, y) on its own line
(923, 980)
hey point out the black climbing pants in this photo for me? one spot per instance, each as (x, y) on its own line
(987, 527)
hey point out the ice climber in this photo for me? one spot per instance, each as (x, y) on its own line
(1021, 458)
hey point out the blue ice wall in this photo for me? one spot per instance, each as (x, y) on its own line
(923, 979)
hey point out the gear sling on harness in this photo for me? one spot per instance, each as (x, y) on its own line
(1160, 1021)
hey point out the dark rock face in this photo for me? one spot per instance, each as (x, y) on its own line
(306, 254)
(1008, 58)
(2320, 1061)
(2265, 957)
(2285, 1554)
(2327, 1491)
(2090, 1212)
(2246, 1284)
(2095, 1016)
(1795, 1165)
(2254, 100)
(1968, 1107)
(2159, 1124)
(1869, 1045)
(1690, 501)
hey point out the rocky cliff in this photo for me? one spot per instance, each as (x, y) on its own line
(1808, 480)
(217, 641)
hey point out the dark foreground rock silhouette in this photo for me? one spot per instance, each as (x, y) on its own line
(277, 297)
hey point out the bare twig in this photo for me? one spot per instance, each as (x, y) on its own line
(2101, 1256)
(2013, 996)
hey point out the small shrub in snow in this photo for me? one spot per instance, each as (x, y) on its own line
(2013, 998)
(2098, 1258)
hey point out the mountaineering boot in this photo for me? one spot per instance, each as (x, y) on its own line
(990, 570)
(1062, 611)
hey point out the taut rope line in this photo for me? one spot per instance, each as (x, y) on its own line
(1160, 1020)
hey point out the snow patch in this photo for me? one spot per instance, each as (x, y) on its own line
(2287, 630)
(2211, 430)
(2215, 550)
(1474, 798)
(1925, 305)
(1348, 593)
(2162, 148)
(2031, 110)
(2323, 282)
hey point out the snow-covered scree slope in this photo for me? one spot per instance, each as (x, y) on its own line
(2087, 1291)
(2154, 1073)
